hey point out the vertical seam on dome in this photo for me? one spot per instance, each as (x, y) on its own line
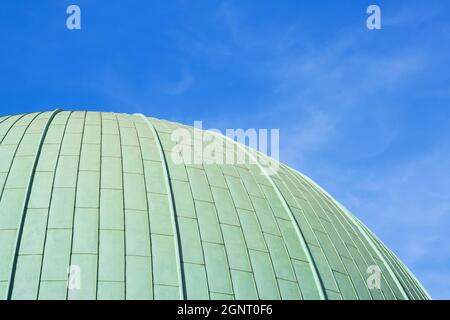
(409, 286)
(49, 204)
(364, 234)
(75, 201)
(299, 233)
(417, 286)
(25, 205)
(247, 249)
(221, 233)
(416, 281)
(290, 178)
(99, 206)
(319, 196)
(4, 119)
(202, 242)
(423, 292)
(170, 195)
(265, 242)
(11, 126)
(147, 202)
(123, 209)
(2, 188)
(345, 219)
(413, 291)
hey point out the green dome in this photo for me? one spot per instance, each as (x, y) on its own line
(98, 196)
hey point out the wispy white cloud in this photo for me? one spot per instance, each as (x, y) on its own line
(440, 281)
(413, 13)
(181, 86)
(349, 89)
(310, 135)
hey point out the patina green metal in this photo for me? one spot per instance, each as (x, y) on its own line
(100, 191)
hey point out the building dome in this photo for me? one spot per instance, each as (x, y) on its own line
(94, 206)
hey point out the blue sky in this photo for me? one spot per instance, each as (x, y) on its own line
(364, 113)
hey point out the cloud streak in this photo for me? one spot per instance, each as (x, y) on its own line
(181, 86)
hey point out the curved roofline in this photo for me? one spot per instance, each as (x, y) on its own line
(363, 233)
(27, 143)
(357, 223)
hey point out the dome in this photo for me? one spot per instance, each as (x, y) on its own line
(94, 206)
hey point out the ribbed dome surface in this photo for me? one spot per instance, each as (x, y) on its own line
(101, 192)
